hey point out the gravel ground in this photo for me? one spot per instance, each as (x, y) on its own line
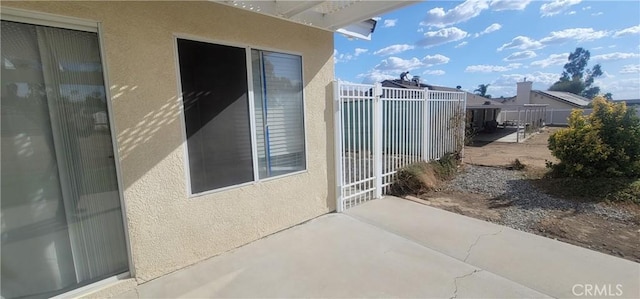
(528, 205)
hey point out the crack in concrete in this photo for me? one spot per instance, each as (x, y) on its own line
(477, 240)
(455, 282)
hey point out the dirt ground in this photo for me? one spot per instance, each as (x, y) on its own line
(582, 228)
(532, 151)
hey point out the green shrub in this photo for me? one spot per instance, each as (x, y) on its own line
(605, 143)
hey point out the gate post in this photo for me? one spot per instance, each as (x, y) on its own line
(377, 139)
(337, 135)
(425, 125)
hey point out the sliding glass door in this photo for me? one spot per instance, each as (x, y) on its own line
(61, 218)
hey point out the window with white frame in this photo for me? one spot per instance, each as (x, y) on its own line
(222, 95)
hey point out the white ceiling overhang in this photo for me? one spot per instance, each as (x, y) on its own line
(352, 18)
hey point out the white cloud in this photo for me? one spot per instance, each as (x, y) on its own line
(421, 29)
(628, 88)
(442, 36)
(434, 72)
(579, 34)
(595, 14)
(394, 49)
(493, 27)
(586, 8)
(521, 43)
(462, 44)
(557, 6)
(573, 12)
(606, 74)
(431, 60)
(499, 5)
(359, 51)
(505, 85)
(376, 76)
(377, 18)
(521, 55)
(463, 12)
(614, 56)
(399, 64)
(389, 23)
(483, 68)
(555, 37)
(630, 69)
(630, 30)
(509, 80)
(341, 57)
(553, 59)
(390, 68)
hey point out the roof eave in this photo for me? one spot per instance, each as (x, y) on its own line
(345, 18)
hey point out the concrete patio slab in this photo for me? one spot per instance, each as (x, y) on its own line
(551, 267)
(397, 248)
(332, 256)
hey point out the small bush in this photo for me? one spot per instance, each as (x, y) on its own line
(421, 177)
(517, 165)
(605, 143)
(469, 134)
(446, 167)
(415, 178)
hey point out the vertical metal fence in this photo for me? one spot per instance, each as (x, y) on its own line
(380, 129)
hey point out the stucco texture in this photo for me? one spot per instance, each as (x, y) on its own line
(167, 229)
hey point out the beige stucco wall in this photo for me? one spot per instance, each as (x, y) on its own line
(167, 229)
(537, 98)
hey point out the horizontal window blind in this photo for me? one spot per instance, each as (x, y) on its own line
(279, 112)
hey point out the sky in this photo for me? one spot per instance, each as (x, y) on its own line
(498, 42)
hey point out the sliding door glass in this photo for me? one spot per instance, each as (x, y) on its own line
(61, 218)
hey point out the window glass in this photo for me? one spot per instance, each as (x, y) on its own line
(277, 83)
(217, 117)
(216, 110)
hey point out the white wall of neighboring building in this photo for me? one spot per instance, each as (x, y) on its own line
(537, 98)
(524, 93)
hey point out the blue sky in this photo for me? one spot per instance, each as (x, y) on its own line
(498, 42)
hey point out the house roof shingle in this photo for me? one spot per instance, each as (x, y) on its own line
(473, 100)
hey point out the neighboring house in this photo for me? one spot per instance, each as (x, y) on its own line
(630, 102)
(553, 99)
(481, 112)
(139, 138)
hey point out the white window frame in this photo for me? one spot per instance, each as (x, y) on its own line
(72, 23)
(252, 118)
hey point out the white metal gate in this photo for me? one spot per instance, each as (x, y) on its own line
(378, 130)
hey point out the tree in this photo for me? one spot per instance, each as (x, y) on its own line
(482, 90)
(576, 78)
